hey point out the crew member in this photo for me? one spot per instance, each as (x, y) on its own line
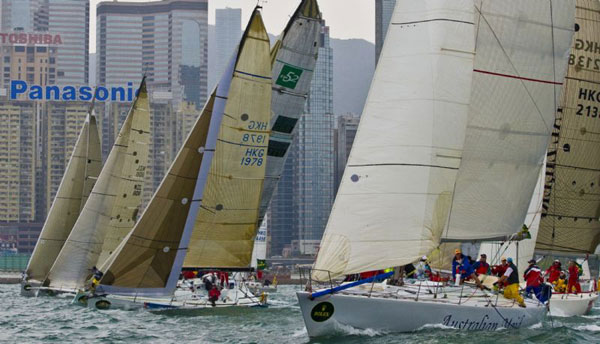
(481, 267)
(533, 278)
(423, 269)
(573, 278)
(553, 271)
(511, 276)
(560, 285)
(213, 295)
(461, 265)
(499, 270)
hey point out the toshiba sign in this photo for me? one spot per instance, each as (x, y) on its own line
(29, 38)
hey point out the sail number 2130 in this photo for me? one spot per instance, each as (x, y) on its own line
(588, 111)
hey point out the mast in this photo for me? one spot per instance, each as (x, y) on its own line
(112, 206)
(571, 205)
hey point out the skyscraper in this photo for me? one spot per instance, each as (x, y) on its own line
(347, 126)
(304, 196)
(228, 30)
(383, 16)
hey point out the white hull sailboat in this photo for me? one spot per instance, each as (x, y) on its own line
(449, 148)
(386, 313)
(568, 305)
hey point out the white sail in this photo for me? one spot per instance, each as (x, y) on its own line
(396, 191)
(111, 209)
(79, 177)
(260, 244)
(453, 133)
(293, 58)
(520, 63)
(521, 251)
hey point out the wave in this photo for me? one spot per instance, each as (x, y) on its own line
(352, 331)
(590, 328)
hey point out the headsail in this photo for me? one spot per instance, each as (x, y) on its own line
(452, 127)
(520, 63)
(293, 58)
(227, 222)
(112, 207)
(79, 177)
(149, 260)
(571, 207)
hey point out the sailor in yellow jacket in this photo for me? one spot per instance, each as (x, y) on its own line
(511, 291)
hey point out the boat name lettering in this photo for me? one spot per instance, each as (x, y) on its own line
(483, 324)
(590, 46)
(322, 311)
(589, 95)
(254, 125)
(255, 152)
(19, 89)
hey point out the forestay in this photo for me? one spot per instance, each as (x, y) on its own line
(111, 209)
(227, 222)
(520, 63)
(396, 191)
(571, 199)
(77, 182)
(293, 59)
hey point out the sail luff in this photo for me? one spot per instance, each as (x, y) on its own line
(394, 197)
(293, 60)
(81, 170)
(111, 206)
(94, 160)
(570, 223)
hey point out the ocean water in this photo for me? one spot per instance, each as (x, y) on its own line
(55, 320)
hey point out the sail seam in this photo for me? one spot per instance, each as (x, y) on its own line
(255, 75)
(241, 144)
(517, 77)
(403, 164)
(437, 19)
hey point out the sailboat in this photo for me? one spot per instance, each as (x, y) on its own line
(570, 224)
(74, 189)
(211, 191)
(449, 148)
(112, 206)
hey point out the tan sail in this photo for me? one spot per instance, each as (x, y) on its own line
(79, 177)
(571, 205)
(112, 207)
(226, 225)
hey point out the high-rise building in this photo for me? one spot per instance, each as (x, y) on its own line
(301, 205)
(228, 30)
(347, 126)
(17, 161)
(383, 15)
(166, 40)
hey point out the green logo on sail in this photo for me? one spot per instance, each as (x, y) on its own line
(289, 76)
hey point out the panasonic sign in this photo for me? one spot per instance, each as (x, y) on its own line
(20, 88)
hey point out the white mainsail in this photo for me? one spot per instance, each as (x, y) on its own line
(149, 260)
(456, 122)
(571, 211)
(79, 177)
(293, 58)
(112, 206)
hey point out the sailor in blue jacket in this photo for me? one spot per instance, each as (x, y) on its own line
(461, 265)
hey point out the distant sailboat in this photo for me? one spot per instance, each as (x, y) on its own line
(570, 223)
(214, 183)
(112, 206)
(449, 149)
(77, 182)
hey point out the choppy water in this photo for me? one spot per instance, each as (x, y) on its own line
(46, 319)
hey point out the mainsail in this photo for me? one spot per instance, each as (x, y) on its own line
(227, 222)
(77, 182)
(149, 260)
(571, 206)
(112, 207)
(455, 124)
(293, 58)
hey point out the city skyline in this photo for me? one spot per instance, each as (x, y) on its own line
(276, 13)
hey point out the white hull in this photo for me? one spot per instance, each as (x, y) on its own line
(568, 305)
(329, 314)
(29, 288)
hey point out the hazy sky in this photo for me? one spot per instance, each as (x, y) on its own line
(346, 18)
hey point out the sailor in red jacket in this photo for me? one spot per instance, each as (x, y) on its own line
(533, 278)
(573, 278)
(553, 271)
(213, 295)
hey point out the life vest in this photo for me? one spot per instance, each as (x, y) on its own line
(514, 276)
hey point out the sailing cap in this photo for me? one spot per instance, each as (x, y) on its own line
(483, 255)
(457, 251)
(532, 261)
(509, 259)
(424, 258)
(503, 258)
